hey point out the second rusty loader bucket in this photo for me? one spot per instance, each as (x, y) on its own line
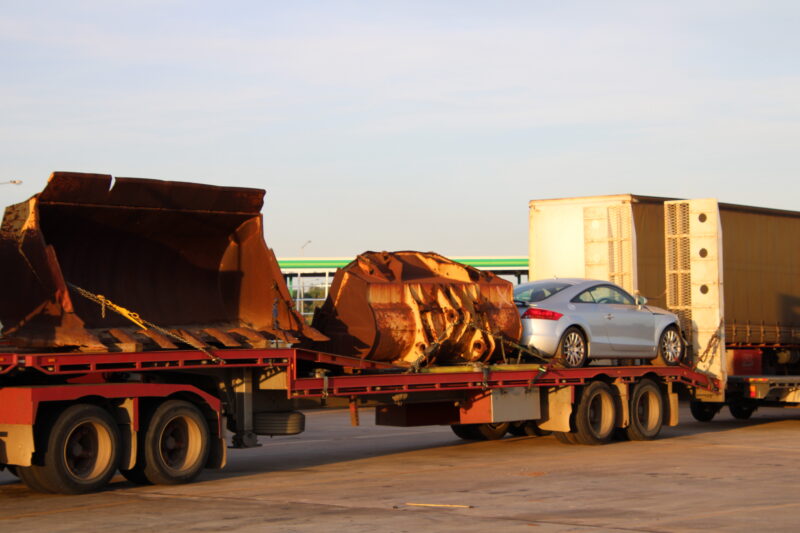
(416, 309)
(94, 263)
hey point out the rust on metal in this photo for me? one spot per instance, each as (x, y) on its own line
(415, 308)
(190, 258)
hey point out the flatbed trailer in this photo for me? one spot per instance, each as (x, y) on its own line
(69, 421)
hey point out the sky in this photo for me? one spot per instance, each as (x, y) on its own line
(424, 125)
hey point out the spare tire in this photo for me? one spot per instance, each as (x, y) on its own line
(279, 423)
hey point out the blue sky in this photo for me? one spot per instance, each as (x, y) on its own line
(407, 125)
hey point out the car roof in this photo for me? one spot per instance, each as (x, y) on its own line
(570, 281)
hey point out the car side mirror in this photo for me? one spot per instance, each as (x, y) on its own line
(640, 300)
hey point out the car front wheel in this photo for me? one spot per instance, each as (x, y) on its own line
(670, 347)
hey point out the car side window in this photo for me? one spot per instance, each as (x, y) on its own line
(584, 298)
(606, 294)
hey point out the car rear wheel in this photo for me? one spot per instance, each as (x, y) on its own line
(572, 351)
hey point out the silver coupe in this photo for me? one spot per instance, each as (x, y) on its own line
(575, 320)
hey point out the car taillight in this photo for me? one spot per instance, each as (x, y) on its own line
(543, 314)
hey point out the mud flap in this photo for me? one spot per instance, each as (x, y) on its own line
(557, 409)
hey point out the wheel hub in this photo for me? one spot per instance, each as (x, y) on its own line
(671, 346)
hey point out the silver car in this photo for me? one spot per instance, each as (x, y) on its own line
(578, 319)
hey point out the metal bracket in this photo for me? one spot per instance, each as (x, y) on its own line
(322, 373)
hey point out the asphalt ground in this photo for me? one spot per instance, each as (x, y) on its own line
(727, 475)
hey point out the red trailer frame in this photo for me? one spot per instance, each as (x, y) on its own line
(65, 379)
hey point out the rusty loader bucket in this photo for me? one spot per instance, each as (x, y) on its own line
(90, 255)
(415, 309)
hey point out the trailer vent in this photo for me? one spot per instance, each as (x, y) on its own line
(609, 244)
(678, 264)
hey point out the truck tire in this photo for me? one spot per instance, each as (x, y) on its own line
(646, 410)
(279, 423)
(481, 431)
(29, 477)
(82, 451)
(466, 431)
(741, 411)
(526, 428)
(176, 444)
(595, 415)
(566, 438)
(671, 347)
(493, 431)
(572, 351)
(704, 411)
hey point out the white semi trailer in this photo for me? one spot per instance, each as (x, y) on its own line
(730, 272)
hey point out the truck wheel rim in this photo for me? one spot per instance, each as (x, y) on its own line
(573, 348)
(180, 443)
(87, 451)
(647, 411)
(671, 346)
(601, 415)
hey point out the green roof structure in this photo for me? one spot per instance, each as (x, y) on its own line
(321, 265)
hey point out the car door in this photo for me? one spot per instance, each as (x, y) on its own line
(629, 328)
(592, 315)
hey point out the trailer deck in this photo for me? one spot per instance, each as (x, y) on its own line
(356, 376)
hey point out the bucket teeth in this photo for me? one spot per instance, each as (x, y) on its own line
(127, 342)
(161, 340)
(222, 337)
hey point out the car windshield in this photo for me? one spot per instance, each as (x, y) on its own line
(538, 290)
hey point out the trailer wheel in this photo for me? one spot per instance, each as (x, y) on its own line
(595, 415)
(566, 438)
(493, 431)
(704, 411)
(526, 428)
(176, 444)
(741, 411)
(670, 346)
(466, 431)
(28, 475)
(647, 411)
(82, 451)
(481, 431)
(572, 350)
